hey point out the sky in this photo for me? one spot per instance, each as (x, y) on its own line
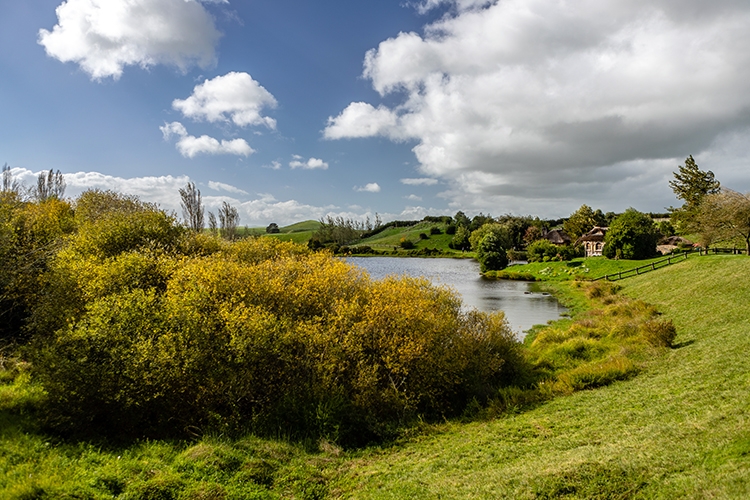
(293, 110)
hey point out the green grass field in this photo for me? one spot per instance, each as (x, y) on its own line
(680, 429)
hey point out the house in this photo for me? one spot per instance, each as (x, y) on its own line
(667, 245)
(593, 241)
(557, 237)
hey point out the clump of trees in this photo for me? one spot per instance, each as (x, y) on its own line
(632, 235)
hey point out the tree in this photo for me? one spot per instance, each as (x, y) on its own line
(691, 185)
(273, 228)
(461, 219)
(212, 225)
(192, 209)
(532, 234)
(491, 254)
(500, 230)
(582, 221)
(49, 185)
(724, 216)
(229, 219)
(632, 235)
(480, 220)
(460, 240)
(9, 185)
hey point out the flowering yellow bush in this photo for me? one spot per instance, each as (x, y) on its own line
(151, 338)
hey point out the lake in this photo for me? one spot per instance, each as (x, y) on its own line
(523, 302)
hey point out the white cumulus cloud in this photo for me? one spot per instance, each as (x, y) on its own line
(234, 97)
(311, 164)
(190, 146)
(533, 103)
(104, 36)
(360, 119)
(372, 187)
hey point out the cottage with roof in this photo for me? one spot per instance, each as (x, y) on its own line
(593, 241)
(557, 237)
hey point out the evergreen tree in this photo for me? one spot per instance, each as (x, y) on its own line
(691, 184)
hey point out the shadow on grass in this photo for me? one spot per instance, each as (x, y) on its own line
(680, 345)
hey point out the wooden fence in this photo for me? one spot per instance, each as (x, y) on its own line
(669, 260)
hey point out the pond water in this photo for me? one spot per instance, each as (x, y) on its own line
(525, 305)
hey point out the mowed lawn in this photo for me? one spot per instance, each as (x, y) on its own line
(681, 429)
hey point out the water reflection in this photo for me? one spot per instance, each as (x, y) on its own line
(524, 304)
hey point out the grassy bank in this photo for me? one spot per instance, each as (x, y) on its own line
(680, 429)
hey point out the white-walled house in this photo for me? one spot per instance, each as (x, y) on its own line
(593, 241)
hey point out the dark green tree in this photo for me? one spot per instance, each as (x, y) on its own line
(691, 184)
(460, 240)
(461, 219)
(273, 228)
(491, 254)
(632, 235)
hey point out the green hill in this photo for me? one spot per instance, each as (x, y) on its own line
(391, 238)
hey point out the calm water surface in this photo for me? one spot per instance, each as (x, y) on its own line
(524, 304)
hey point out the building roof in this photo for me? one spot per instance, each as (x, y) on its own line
(596, 234)
(557, 236)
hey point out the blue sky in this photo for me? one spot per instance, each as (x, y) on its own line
(292, 110)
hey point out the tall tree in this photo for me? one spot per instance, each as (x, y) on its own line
(49, 185)
(9, 185)
(212, 225)
(691, 184)
(582, 221)
(725, 216)
(229, 220)
(192, 208)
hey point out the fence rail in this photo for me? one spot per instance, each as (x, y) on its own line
(668, 261)
(644, 269)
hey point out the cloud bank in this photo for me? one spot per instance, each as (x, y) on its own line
(529, 102)
(104, 36)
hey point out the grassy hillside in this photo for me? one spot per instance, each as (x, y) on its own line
(391, 238)
(680, 429)
(300, 232)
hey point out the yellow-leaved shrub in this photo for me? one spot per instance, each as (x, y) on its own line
(258, 335)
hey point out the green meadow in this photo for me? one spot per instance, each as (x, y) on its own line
(679, 428)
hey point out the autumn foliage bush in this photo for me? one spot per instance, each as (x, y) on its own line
(146, 329)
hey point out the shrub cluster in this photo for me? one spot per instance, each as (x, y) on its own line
(545, 251)
(147, 329)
